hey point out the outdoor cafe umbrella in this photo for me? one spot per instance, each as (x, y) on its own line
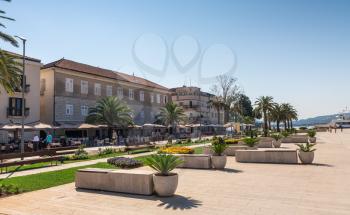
(15, 127)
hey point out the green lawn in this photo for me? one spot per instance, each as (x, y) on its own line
(49, 179)
(55, 178)
(91, 157)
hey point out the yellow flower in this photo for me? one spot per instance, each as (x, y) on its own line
(176, 150)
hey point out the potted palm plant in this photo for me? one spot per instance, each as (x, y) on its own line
(312, 135)
(306, 152)
(218, 159)
(250, 142)
(165, 181)
(277, 142)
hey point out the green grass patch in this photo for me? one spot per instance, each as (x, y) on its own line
(49, 179)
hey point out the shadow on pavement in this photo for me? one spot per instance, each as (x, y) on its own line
(176, 202)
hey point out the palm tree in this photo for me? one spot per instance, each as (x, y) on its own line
(264, 105)
(112, 112)
(6, 37)
(218, 104)
(289, 114)
(10, 72)
(171, 115)
(277, 115)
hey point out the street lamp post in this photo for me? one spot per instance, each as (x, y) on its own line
(23, 88)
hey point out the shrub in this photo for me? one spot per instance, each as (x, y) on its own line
(285, 133)
(311, 133)
(124, 163)
(178, 142)
(106, 151)
(188, 140)
(251, 142)
(303, 128)
(176, 150)
(170, 140)
(307, 147)
(80, 154)
(8, 189)
(277, 136)
(163, 163)
(218, 146)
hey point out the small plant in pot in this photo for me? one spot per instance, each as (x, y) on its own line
(218, 159)
(277, 142)
(306, 152)
(312, 135)
(250, 142)
(165, 182)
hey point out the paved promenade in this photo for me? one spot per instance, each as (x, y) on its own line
(322, 188)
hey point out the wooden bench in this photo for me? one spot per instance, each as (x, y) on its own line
(5, 164)
(134, 181)
(282, 156)
(136, 147)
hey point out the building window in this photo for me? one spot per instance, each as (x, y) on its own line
(69, 109)
(84, 110)
(15, 107)
(84, 87)
(69, 85)
(158, 98)
(97, 89)
(165, 99)
(142, 96)
(131, 94)
(152, 97)
(120, 92)
(109, 90)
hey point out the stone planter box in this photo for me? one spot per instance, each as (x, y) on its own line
(298, 139)
(229, 151)
(195, 161)
(125, 181)
(265, 144)
(281, 156)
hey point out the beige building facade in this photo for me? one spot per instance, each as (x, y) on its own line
(11, 105)
(196, 105)
(68, 89)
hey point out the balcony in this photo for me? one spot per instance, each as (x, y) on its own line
(16, 112)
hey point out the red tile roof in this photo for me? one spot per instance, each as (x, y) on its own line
(92, 70)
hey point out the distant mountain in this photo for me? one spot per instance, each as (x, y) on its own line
(317, 120)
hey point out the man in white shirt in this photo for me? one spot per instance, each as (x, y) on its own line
(36, 141)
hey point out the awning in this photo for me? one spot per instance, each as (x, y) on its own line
(42, 126)
(77, 126)
(153, 125)
(15, 127)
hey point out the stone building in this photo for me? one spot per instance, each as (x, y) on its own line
(195, 104)
(11, 105)
(69, 89)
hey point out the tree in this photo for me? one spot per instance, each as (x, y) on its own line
(278, 115)
(217, 103)
(6, 37)
(289, 114)
(242, 108)
(112, 112)
(10, 72)
(264, 105)
(227, 90)
(172, 114)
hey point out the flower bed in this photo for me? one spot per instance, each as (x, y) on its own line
(124, 163)
(177, 150)
(232, 141)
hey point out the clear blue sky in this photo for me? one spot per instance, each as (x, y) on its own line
(296, 51)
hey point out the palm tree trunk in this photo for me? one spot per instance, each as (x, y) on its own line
(291, 124)
(278, 125)
(265, 124)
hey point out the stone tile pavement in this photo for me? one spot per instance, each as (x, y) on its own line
(322, 188)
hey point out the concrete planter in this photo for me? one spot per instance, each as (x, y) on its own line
(218, 162)
(277, 144)
(229, 151)
(306, 157)
(165, 185)
(313, 139)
